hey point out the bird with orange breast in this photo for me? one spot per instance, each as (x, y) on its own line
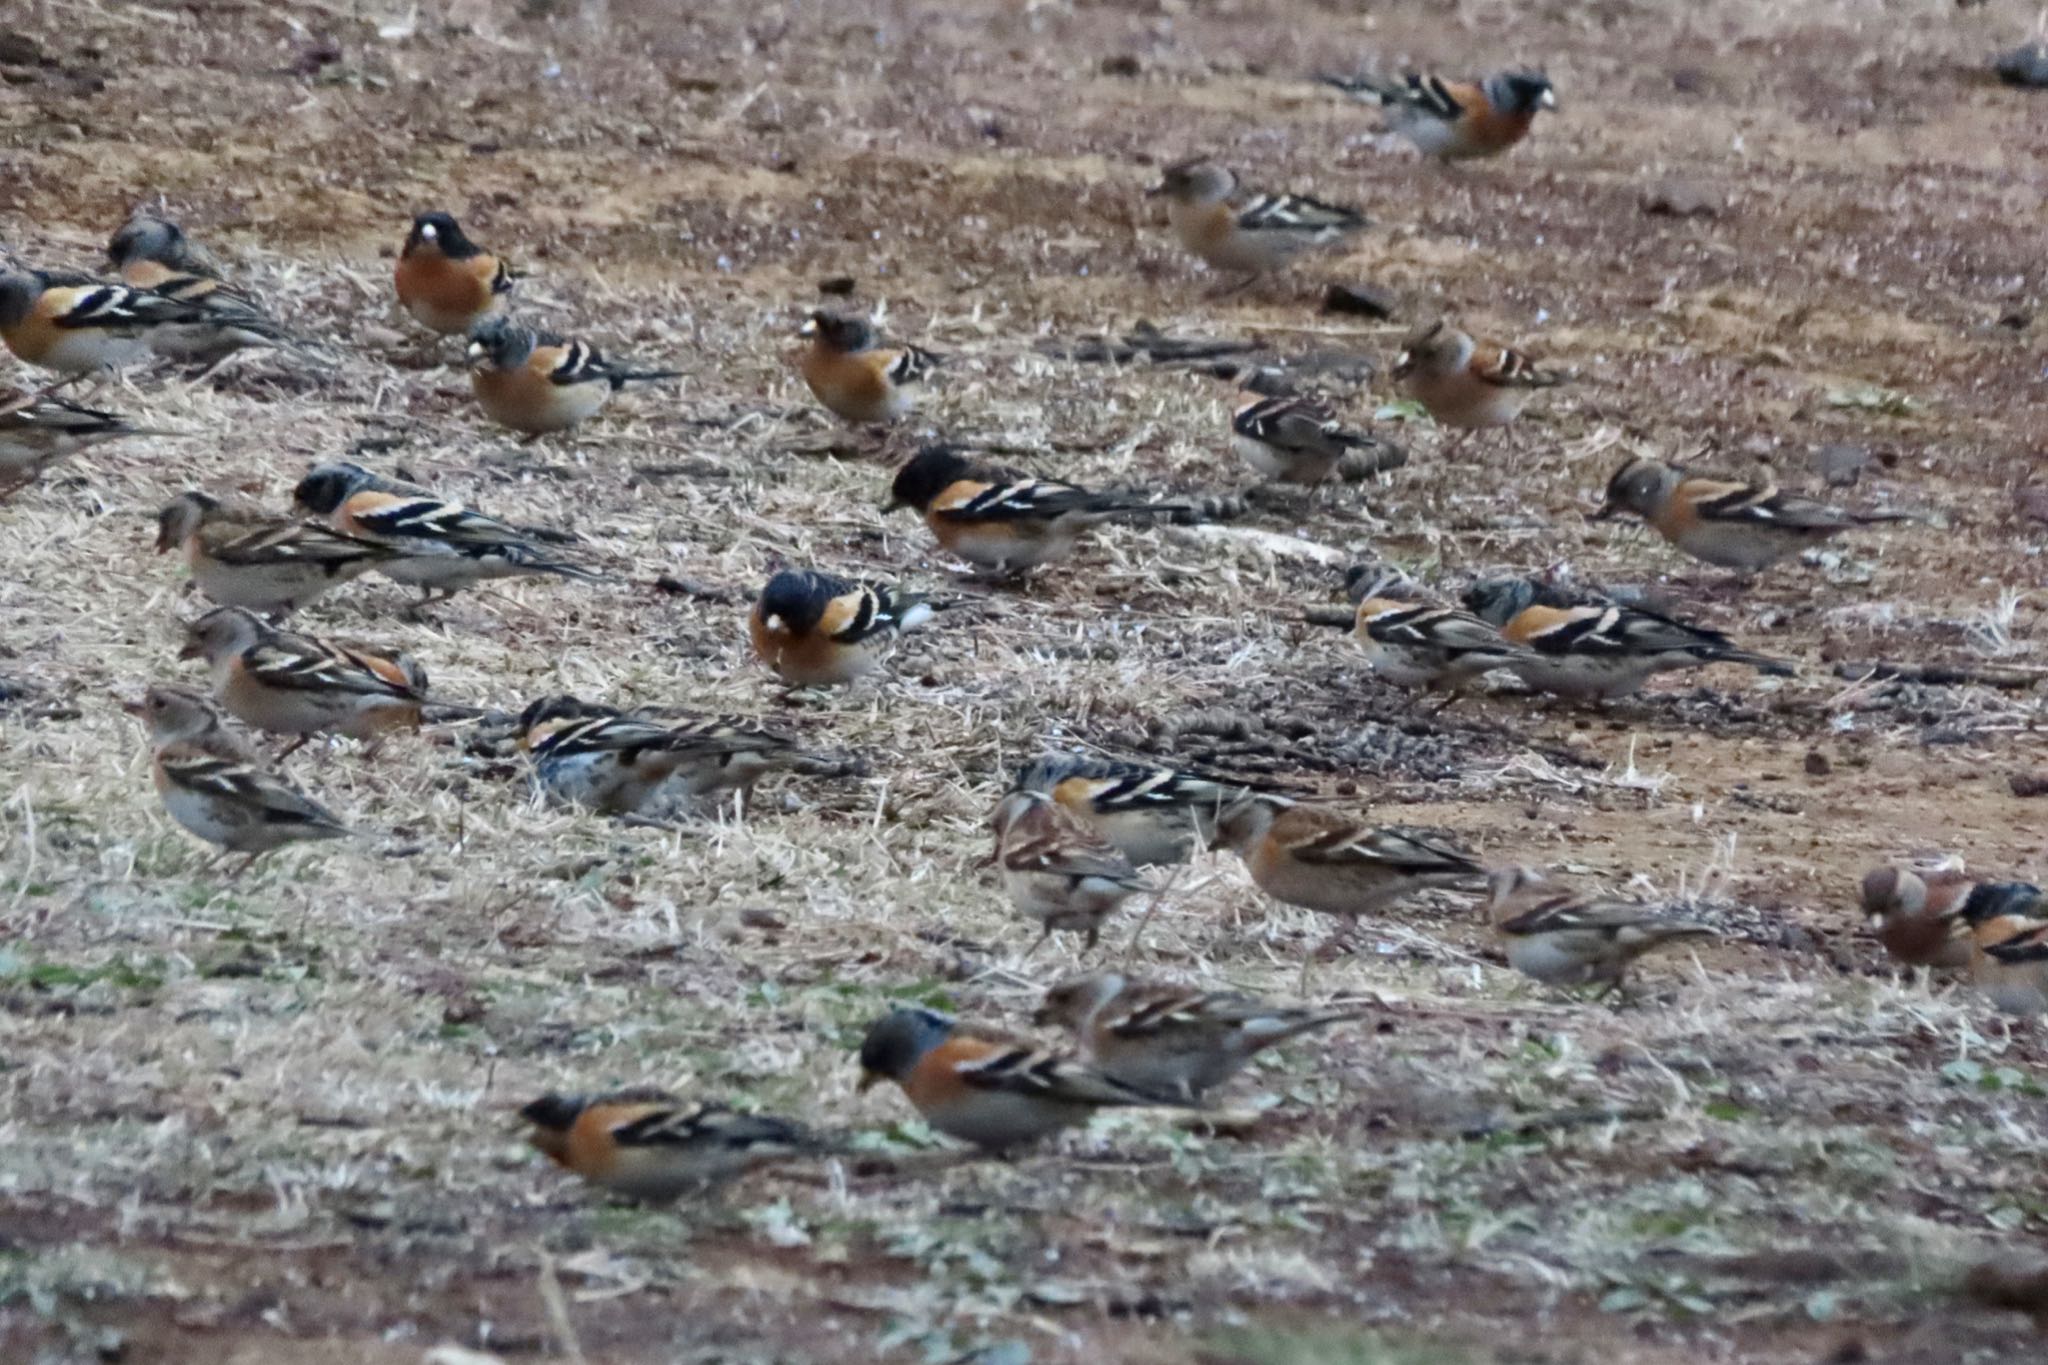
(1467, 384)
(1729, 524)
(1255, 238)
(986, 1087)
(1595, 650)
(538, 383)
(819, 630)
(645, 1144)
(447, 282)
(849, 370)
(1456, 120)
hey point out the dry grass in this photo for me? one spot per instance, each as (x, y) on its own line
(270, 1119)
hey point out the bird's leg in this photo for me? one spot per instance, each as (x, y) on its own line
(288, 750)
(634, 820)
(242, 867)
(1225, 291)
(428, 597)
(1151, 908)
(1329, 950)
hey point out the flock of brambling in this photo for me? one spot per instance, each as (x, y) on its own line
(1073, 837)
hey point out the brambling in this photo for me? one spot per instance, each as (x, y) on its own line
(1916, 912)
(39, 429)
(443, 546)
(1259, 238)
(1325, 860)
(75, 324)
(447, 282)
(211, 787)
(984, 1087)
(153, 253)
(646, 1144)
(149, 252)
(537, 382)
(1417, 644)
(1740, 526)
(1150, 814)
(245, 559)
(1056, 869)
(1292, 440)
(288, 684)
(2009, 932)
(817, 630)
(1457, 120)
(1599, 650)
(614, 763)
(1561, 938)
(850, 372)
(1173, 1040)
(1002, 522)
(1466, 384)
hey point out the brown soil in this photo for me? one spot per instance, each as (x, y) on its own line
(270, 1120)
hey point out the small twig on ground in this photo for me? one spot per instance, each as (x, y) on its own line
(557, 1305)
(1562, 1118)
(1151, 908)
(1942, 675)
(677, 586)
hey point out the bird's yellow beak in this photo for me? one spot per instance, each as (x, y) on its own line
(192, 650)
(809, 329)
(1547, 100)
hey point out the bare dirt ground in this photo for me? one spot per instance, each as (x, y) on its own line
(271, 1120)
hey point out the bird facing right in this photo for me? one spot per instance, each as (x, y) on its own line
(1455, 120)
